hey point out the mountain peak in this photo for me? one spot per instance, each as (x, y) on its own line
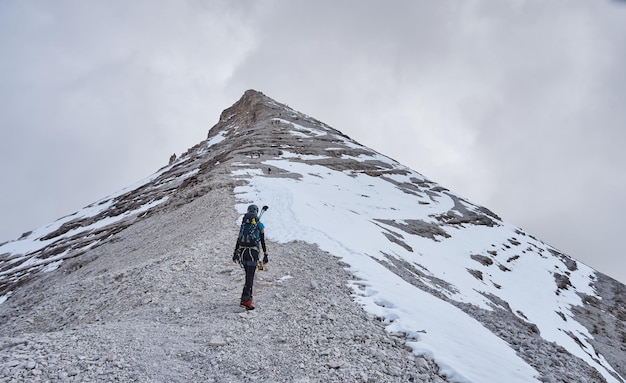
(250, 99)
(252, 107)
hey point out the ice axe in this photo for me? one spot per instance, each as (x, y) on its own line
(263, 210)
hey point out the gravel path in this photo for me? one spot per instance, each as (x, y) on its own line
(159, 303)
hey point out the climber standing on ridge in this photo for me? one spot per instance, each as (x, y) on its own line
(251, 234)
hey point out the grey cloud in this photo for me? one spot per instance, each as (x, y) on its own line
(514, 105)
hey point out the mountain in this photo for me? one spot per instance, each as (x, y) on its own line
(376, 273)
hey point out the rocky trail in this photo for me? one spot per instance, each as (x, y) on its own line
(149, 308)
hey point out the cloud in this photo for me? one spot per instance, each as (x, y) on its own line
(515, 105)
(512, 104)
(98, 95)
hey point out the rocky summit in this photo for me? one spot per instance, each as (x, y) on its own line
(375, 274)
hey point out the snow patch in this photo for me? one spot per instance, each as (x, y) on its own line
(357, 241)
(341, 213)
(221, 136)
(284, 278)
(305, 157)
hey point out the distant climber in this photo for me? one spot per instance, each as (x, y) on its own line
(251, 234)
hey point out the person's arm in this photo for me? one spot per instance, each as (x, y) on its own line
(265, 259)
(236, 252)
(263, 242)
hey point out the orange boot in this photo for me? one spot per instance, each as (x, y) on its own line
(247, 304)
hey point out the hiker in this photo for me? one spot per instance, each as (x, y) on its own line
(252, 233)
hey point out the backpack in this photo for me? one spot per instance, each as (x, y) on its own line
(249, 233)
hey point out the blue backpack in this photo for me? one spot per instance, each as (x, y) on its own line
(249, 233)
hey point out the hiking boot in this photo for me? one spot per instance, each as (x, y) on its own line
(247, 304)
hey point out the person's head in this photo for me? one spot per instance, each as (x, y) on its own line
(253, 209)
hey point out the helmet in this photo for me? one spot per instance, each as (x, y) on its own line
(253, 209)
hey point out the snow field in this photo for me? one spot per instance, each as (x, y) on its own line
(336, 211)
(331, 213)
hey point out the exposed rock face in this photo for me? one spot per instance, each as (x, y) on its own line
(139, 286)
(606, 320)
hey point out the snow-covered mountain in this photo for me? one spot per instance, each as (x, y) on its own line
(478, 297)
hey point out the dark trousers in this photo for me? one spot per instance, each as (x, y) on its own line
(250, 258)
(247, 287)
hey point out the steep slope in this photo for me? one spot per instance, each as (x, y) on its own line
(450, 279)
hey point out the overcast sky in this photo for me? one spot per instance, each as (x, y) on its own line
(516, 105)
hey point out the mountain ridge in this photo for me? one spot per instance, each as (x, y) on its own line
(264, 150)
